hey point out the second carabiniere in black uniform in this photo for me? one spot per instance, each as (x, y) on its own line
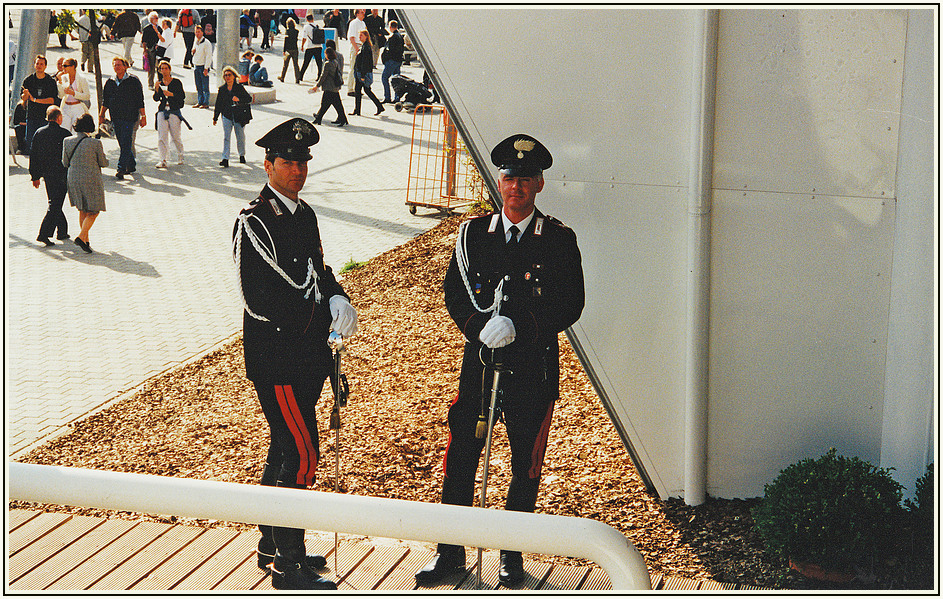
(515, 281)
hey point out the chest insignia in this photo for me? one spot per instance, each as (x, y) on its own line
(539, 226)
(275, 208)
(492, 227)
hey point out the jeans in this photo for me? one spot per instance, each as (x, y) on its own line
(32, 125)
(390, 68)
(124, 133)
(260, 77)
(228, 126)
(202, 85)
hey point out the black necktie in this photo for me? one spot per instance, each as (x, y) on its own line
(512, 242)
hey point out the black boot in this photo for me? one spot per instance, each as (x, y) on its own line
(511, 573)
(296, 576)
(448, 561)
(266, 554)
(522, 497)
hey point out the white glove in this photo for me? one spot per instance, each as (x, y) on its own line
(497, 332)
(344, 315)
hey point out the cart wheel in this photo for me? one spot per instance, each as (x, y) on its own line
(412, 210)
(399, 108)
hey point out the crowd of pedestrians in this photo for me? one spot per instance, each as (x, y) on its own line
(156, 43)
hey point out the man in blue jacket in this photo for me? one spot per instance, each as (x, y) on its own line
(124, 97)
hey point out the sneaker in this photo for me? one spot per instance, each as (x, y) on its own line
(224, 163)
(161, 164)
(180, 161)
(242, 160)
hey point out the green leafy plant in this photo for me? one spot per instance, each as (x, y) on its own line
(920, 511)
(351, 265)
(66, 21)
(833, 511)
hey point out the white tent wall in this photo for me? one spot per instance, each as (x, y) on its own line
(804, 217)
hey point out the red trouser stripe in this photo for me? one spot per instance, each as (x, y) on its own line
(540, 445)
(296, 424)
(445, 458)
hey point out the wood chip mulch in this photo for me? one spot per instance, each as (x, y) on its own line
(203, 421)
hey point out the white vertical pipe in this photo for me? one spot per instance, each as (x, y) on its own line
(704, 74)
(351, 514)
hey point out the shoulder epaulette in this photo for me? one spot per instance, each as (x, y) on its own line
(251, 206)
(556, 221)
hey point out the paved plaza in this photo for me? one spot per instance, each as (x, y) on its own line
(82, 329)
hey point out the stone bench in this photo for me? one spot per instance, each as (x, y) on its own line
(260, 95)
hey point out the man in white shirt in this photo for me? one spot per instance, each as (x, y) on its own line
(353, 36)
(202, 63)
(312, 43)
(84, 26)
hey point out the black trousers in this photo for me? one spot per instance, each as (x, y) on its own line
(527, 414)
(361, 88)
(55, 218)
(266, 33)
(309, 52)
(329, 99)
(188, 42)
(293, 454)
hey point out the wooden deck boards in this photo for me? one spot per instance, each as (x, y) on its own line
(61, 552)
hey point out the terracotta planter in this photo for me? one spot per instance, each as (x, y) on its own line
(818, 572)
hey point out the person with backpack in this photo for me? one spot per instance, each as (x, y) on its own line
(187, 20)
(331, 81)
(313, 38)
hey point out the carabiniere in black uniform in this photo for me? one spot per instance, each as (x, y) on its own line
(542, 295)
(285, 342)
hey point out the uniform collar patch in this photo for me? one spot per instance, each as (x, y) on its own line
(493, 226)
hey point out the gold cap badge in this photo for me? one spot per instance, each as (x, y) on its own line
(523, 145)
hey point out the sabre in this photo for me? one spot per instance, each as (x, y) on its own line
(341, 392)
(485, 428)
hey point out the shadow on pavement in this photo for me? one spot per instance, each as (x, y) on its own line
(67, 250)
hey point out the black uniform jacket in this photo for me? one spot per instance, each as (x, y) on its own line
(292, 345)
(46, 158)
(543, 292)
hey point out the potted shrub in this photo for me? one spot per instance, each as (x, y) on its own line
(830, 515)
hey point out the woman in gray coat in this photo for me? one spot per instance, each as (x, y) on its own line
(84, 156)
(330, 82)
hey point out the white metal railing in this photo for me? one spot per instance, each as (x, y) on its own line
(350, 514)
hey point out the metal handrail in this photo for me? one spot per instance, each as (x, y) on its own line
(350, 514)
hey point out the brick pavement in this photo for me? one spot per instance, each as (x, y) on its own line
(81, 330)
